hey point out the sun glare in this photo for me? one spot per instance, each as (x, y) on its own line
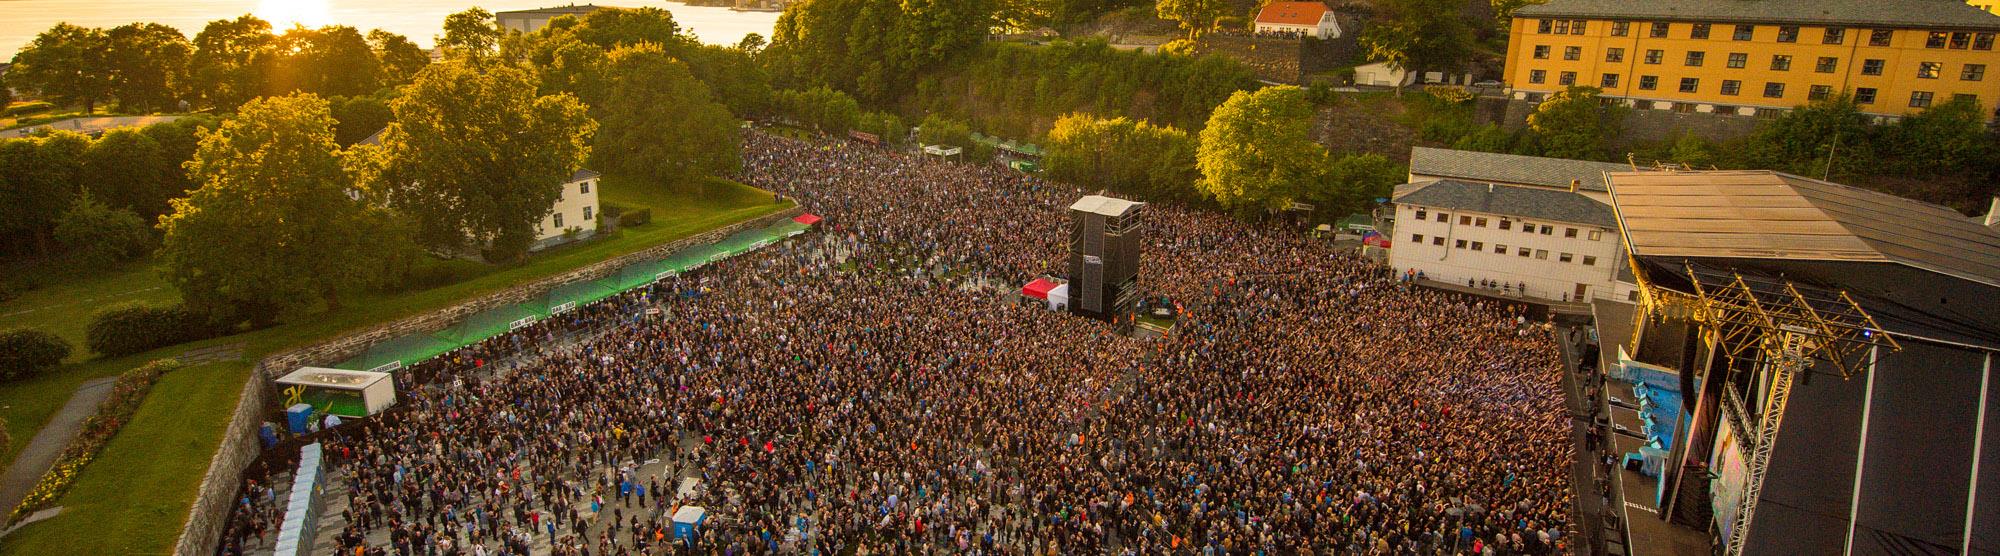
(283, 14)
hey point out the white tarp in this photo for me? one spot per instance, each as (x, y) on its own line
(1059, 298)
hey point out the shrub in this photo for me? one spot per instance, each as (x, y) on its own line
(632, 218)
(112, 414)
(130, 329)
(27, 108)
(97, 235)
(1233, 23)
(25, 353)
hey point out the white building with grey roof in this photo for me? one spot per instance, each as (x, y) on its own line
(1518, 225)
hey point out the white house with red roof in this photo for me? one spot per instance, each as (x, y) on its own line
(1298, 18)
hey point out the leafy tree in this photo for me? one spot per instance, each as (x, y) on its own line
(751, 44)
(356, 118)
(127, 169)
(823, 108)
(1130, 157)
(272, 228)
(1017, 90)
(477, 158)
(1572, 124)
(1024, 15)
(6, 93)
(1693, 151)
(26, 353)
(873, 49)
(178, 140)
(66, 64)
(1942, 139)
(1418, 36)
(1194, 16)
(1352, 183)
(149, 65)
(658, 122)
(343, 63)
(733, 76)
(609, 29)
(98, 236)
(38, 178)
(400, 59)
(1257, 151)
(472, 34)
(230, 60)
(939, 130)
(1800, 141)
(884, 125)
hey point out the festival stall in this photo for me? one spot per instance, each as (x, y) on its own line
(340, 392)
(1050, 292)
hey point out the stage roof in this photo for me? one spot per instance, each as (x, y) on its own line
(1769, 215)
(1108, 206)
(1919, 269)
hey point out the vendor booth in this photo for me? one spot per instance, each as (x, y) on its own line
(1050, 292)
(340, 392)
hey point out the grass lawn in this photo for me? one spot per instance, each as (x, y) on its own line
(135, 496)
(28, 404)
(68, 298)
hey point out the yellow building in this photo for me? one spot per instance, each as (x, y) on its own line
(1753, 57)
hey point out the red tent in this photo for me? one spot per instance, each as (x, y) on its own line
(807, 219)
(1038, 289)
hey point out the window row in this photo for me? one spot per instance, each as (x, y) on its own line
(1506, 224)
(1499, 249)
(1779, 62)
(1958, 40)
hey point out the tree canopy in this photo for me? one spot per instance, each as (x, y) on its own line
(1194, 16)
(1257, 151)
(229, 60)
(1572, 124)
(1419, 35)
(68, 64)
(476, 157)
(1127, 156)
(271, 228)
(472, 34)
(873, 49)
(149, 66)
(661, 123)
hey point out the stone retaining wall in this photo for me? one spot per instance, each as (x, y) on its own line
(210, 512)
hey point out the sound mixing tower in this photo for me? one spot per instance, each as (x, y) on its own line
(1104, 257)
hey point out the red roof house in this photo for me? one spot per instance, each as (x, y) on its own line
(1298, 19)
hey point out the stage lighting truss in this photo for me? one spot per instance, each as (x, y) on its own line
(1765, 322)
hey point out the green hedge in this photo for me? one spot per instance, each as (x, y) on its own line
(130, 329)
(25, 353)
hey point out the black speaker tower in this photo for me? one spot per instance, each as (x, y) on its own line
(1104, 257)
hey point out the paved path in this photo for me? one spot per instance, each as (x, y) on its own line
(41, 452)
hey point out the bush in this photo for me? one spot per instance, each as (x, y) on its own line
(98, 236)
(26, 108)
(632, 218)
(25, 353)
(130, 329)
(1233, 23)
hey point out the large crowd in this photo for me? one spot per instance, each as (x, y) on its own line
(858, 390)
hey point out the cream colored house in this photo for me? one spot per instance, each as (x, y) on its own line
(1539, 227)
(575, 215)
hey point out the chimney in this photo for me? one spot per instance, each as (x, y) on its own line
(1574, 184)
(1993, 213)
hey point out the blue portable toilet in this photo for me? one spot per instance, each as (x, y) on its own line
(299, 417)
(687, 523)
